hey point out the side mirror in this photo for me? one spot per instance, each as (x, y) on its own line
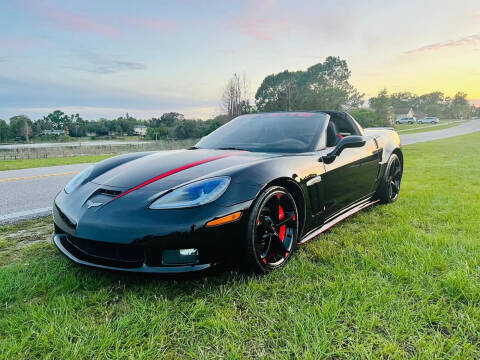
(352, 141)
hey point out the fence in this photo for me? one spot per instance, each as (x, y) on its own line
(89, 148)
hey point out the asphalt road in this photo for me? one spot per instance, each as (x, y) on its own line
(465, 128)
(29, 193)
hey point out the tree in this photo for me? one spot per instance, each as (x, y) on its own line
(459, 106)
(162, 127)
(432, 104)
(213, 124)
(476, 111)
(323, 86)
(77, 126)
(157, 133)
(235, 96)
(57, 120)
(187, 129)
(329, 87)
(369, 118)
(3, 131)
(402, 100)
(21, 126)
(382, 106)
(278, 92)
(171, 118)
(123, 125)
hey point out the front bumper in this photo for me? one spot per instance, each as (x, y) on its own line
(136, 243)
(61, 241)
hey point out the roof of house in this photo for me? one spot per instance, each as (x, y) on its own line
(420, 114)
(402, 111)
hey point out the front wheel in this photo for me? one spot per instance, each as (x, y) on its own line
(389, 189)
(272, 231)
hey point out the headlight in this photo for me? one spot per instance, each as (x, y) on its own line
(195, 194)
(78, 180)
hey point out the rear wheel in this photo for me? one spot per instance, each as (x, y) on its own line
(389, 189)
(272, 231)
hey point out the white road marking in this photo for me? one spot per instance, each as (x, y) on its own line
(38, 176)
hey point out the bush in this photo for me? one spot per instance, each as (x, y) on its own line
(369, 118)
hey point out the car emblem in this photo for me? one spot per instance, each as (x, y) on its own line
(91, 204)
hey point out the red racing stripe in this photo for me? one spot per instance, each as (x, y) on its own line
(174, 171)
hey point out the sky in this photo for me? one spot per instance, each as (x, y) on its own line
(106, 58)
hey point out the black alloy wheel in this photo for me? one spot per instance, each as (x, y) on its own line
(273, 231)
(390, 189)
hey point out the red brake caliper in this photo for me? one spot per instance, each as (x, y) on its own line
(283, 228)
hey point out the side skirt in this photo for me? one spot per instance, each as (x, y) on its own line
(332, 222)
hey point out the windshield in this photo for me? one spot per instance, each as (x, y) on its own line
(269, 132)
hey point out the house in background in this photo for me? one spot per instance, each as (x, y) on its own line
(404, 113)
(54, 132)
(419, 115)
(140, 130)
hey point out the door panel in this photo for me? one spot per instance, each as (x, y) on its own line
(351, 176)
(312, 177)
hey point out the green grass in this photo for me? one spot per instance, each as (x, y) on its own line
(400, 127)
(396, 281)
(417, 128)
(33, 163)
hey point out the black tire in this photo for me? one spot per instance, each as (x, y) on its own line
(410, 122)
(269, 245)
(389, 188)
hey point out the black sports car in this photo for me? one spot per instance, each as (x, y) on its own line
(248, 193)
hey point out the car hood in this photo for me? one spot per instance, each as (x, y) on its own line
(166, 169)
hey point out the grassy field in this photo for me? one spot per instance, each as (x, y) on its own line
(396, 281)
(33, 163)
(90, 148)
(417, 128)
(401, 127)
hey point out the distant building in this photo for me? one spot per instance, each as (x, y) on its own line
(404, 113)
(140, 130)
(91, 133)
(419, 115)
(53, 132)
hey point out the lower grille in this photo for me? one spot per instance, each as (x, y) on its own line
(102, 253)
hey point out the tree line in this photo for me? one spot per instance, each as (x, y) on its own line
(60, 126)
(383, 107)
(325, 85)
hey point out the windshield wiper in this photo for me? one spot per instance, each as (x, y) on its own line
(231, 148)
